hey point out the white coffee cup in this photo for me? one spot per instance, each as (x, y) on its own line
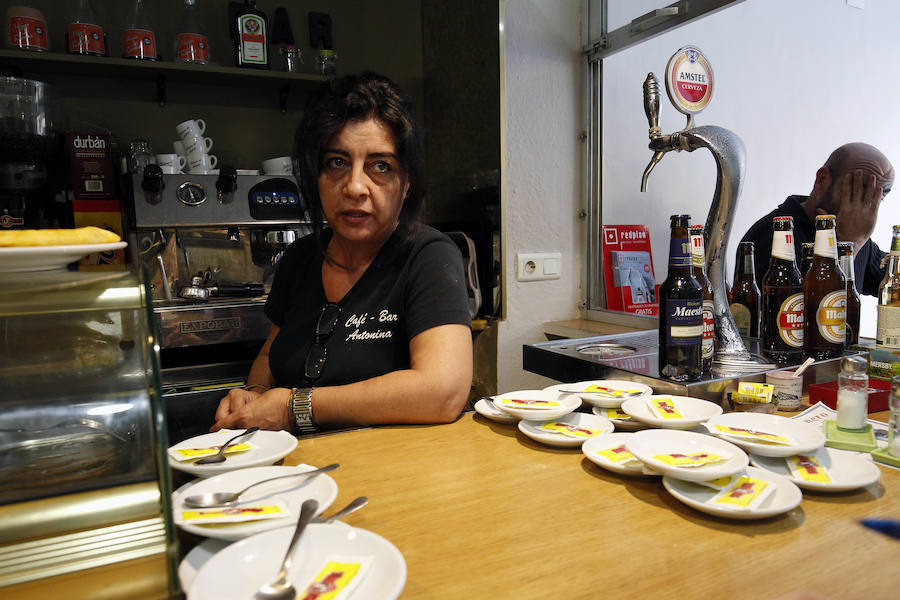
(196, 146)
(282, 165)
(203, 164)
(170, 169)
(178, 146)
(175, 161)
(191, 128)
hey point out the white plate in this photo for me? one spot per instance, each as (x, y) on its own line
(784, 498)
(269, 447)
(532, 429)
(568, 403)
(848, 471)
(196, 558)
(694, 411)
(648, 443)
(604, 442)
(486, 408)
(293, 493)
(49, 258)
(599, 399)
(238, 571)
(807, 438)
(624, 424)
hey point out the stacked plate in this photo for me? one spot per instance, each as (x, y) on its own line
(670, 412)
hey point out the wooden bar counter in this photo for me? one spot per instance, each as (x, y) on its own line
(481, 511)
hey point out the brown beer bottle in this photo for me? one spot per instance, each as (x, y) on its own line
(782, 299)
(887, 333)
(825, 305)
(745, 293)
(845, 255)
(698, 255)
(680, 310)
(806, 258)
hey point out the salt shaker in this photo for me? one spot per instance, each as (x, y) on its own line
(894, 422)
(853, 393)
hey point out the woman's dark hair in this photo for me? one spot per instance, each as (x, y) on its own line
(359, 98)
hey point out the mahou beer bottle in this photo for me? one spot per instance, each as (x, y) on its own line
(138, 37)
(845, 256)
(825, 302)
(191, 44)
(745, 293)
(84, 35)
(782, 299)
(698, 256)
(680, 310)
(806, 257)
(887, 334)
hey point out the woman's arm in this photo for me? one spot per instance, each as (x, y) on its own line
(433, 390)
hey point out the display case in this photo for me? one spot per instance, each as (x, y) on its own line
(84, 484)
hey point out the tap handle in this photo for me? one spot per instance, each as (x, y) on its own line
(153, 179)
(651, 102)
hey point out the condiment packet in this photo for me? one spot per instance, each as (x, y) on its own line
(608, 391)
(753, 392)
(619, 455)
(235, 514)
(337, 578)
(747, 493)
(808, 468)
(613, 413)
(663, 408)
(569, 430)
(720, 483)
(530, 404)
(185, 454)
(694, 459)
(750, 435)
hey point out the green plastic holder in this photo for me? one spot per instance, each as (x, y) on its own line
(859, 440)
(883, 456)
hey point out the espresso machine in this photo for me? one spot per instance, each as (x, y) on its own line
(210, 245)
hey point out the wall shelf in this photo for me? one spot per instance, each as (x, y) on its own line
(161, 72)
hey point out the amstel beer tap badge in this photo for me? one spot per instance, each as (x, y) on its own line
(689, 80)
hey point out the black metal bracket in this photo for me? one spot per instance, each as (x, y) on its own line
(161, 89)
(283, 97)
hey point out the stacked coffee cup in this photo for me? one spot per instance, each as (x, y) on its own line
(195, 147)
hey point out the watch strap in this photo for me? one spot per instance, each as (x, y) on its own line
(301, 407)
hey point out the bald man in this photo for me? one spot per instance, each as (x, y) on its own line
(850, 185)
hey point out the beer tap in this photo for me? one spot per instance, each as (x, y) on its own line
(728, 151)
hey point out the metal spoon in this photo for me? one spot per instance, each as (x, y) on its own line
(281, 588)
(608, 394)
(220, 456)
(213, 499)
(354, 506)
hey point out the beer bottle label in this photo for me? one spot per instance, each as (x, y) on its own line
(679, 252)
(85, 38)
(709, 329)
(684, 322)
(138, 43)
(28, 33)
(888, 332)
(783, 245)
(741, 316)
(698, 252)
(826, 243)
(790, 320)
(895, 244)
(831, 316)
(193, 47)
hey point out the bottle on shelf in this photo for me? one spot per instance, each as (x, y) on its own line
(781, 309)
(26, 27)
(84, 34)
(888, 331)
(251, 37)
(745, 293)
(825, 291)
(806, 258)
(845, 256)
(698, 256)
(326, 63)
(191, 44)
(139, 37)
(680, 310)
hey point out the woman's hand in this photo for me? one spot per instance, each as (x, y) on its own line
(243, 408)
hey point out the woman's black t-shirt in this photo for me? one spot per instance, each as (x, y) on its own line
(416, 282)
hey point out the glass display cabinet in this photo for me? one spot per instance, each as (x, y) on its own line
(84, 483)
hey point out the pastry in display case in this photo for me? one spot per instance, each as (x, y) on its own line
(84, 483)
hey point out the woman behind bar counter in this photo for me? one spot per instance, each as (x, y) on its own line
(370, 320)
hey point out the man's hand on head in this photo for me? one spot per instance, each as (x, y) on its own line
(857, 197)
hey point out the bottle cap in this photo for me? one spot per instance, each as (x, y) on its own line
(854, 364)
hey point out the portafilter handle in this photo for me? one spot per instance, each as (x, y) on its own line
(246, 290)
(226, 184)
(152, 183)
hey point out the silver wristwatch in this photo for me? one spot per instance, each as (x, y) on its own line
(301, 406)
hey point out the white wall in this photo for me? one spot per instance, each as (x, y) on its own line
(542, 185)
(793, 79)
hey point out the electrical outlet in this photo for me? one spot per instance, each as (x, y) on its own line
(533, 266)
